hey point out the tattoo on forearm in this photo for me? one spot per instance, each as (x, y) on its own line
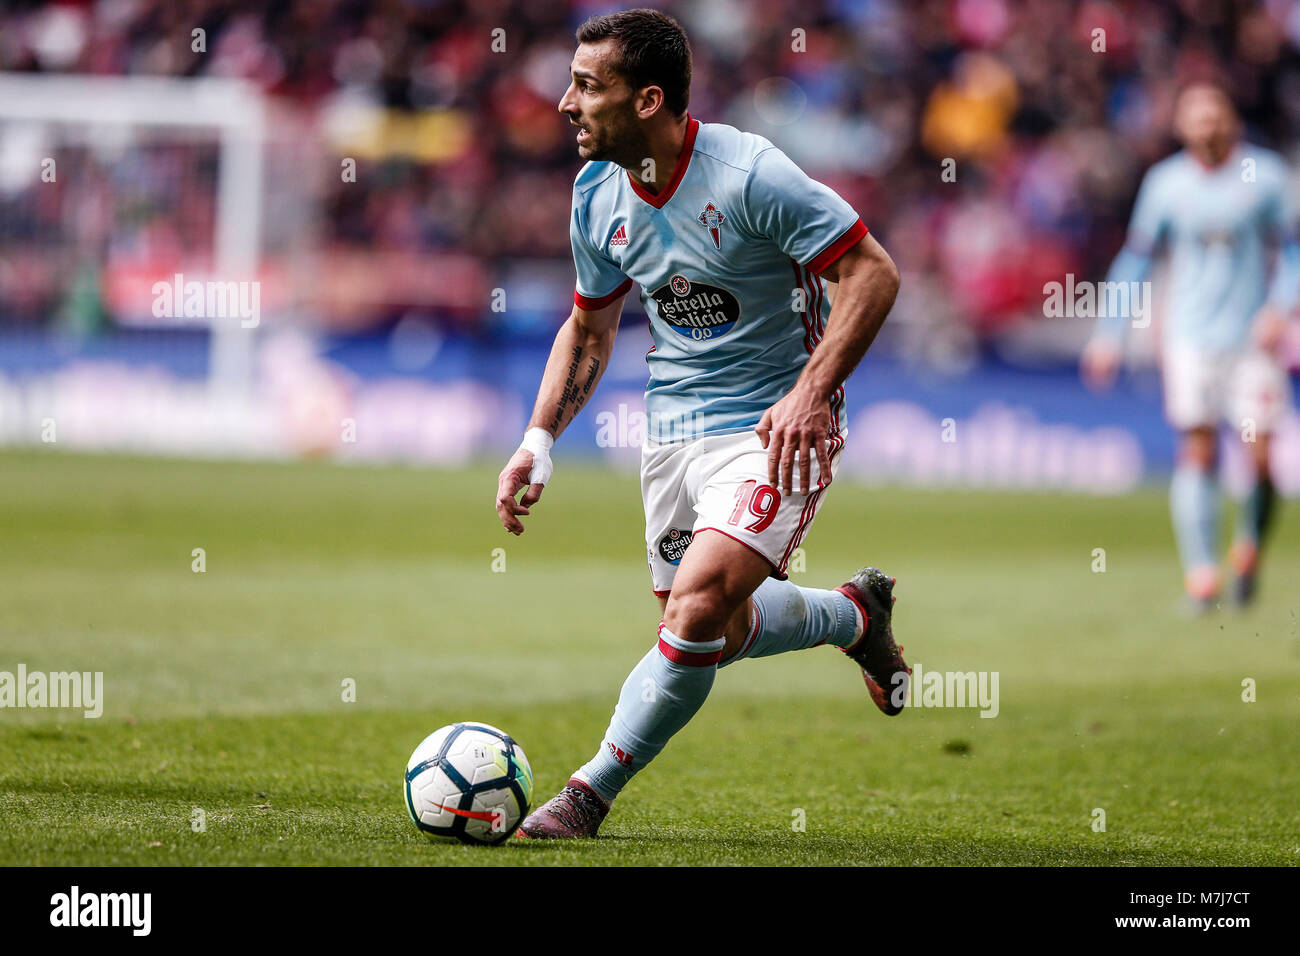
(572, 395)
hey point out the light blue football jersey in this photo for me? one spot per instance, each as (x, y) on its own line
(727, 256)
(1222, 229)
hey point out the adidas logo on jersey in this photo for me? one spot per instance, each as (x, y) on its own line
(620, 237)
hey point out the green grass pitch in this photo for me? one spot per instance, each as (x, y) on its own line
(223, 689)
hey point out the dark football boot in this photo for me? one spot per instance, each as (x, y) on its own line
(884, 671)
(575, 812)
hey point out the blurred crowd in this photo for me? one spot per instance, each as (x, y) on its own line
(990, 145)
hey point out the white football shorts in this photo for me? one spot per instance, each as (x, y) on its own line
(721, 482)
(1203, 388)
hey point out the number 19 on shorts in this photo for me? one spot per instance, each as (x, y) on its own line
(757, 501)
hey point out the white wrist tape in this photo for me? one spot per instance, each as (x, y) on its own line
(539, 441)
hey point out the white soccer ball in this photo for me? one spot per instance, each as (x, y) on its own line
(469, 782)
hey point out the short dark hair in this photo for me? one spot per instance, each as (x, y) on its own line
(653, 51)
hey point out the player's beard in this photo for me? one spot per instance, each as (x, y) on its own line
(621, 142)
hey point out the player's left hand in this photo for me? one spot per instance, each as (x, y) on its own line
(1270, 329)
(800, 422)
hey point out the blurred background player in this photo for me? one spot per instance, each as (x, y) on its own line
(1219, 208)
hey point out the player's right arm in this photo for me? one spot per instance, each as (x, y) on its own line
(578, 359)
(1104, 352)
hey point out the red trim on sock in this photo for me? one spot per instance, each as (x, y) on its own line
(866, 618)
(689, 658)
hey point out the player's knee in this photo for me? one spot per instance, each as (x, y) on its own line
(700, 614)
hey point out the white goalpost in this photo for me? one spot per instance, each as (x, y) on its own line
(62, 111)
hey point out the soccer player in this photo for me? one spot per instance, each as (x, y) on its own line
(729, 242)
(1220, 209)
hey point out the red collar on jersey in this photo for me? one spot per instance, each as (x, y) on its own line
(684, 160)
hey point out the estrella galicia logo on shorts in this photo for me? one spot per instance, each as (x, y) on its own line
(674, 544)
(696, 310)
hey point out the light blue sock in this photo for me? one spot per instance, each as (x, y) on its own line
(790, 618)
(659, 697)
(1194, 503)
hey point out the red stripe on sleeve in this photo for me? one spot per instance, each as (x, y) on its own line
(851, 237)
(583, 302)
